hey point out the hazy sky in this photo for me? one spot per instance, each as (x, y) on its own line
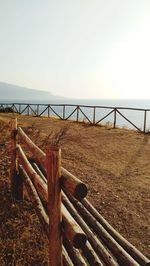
(77, 48)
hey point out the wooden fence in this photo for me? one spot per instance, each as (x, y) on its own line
(97, 115)
(77, 233)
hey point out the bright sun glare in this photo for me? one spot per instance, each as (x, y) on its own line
(130, 64)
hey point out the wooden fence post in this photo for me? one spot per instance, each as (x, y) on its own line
(115, 117)
(53, 166)
(94, 110)
(16, 180)
(145, 116)
(77, 113)
(13, 155)
(19, 108)
(37, 109)
(48, 110)
(64, 112)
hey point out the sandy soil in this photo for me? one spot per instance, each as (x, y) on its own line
(114, 163)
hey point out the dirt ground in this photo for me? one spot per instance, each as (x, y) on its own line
(114, 163)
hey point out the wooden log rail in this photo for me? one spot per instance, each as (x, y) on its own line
(94, 115)
(77, 233)
(68, 181)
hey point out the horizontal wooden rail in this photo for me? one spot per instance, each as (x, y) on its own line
(99, 248)
(69, 181)
(72, 230)
(74, 254)
(34, 149)
(91, 255)
(122, 254)
(35, 178)
(136, 254)
(34, 197)
(123, 257)
(74, 185)
(75, 236)
(86, 248)
(66, 259)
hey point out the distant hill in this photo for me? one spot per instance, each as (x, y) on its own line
(10, 92)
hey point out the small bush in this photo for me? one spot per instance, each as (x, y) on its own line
(9, 110)
(6, 109)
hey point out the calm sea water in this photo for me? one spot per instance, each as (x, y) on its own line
(136, 117)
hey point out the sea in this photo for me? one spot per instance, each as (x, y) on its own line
(131, 109)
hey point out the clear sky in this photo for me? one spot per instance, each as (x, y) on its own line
(77, 48)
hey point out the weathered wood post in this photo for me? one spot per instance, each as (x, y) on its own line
(64, 111)
(145, 118)
(19, 108)
(53, 166)
(28, 110)
(77, 113)
(37, 109)
(94, 110)
(115, 117)
(16, 180)
(48, 110)
(13, 169)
